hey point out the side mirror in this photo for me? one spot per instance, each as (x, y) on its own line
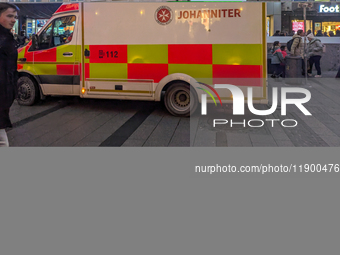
(35, 42)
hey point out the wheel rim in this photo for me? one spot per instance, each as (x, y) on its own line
(180, 100)
(25, 91)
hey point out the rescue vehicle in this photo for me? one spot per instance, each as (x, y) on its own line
(141, 51)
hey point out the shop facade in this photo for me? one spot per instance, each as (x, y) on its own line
(321, 17)
(33, 16)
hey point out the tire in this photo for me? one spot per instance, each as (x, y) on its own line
(28, 92)
(180, 100)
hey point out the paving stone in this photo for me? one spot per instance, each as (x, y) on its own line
(262, 140)
(143, 132)
(87, 144)
(157, 142)
(284, 143)
(238, 140)
(333, 141)
(221, 139)
(180, 139)
(205, 138)
(78, 134)
(133, 143)
(336, 117)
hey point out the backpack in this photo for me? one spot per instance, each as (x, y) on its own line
(289, 44)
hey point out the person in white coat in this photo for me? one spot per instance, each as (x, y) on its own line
(314, 54)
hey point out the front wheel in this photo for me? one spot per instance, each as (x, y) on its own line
(179, 100)
(28, 92)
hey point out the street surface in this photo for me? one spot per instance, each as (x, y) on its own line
(72, 121)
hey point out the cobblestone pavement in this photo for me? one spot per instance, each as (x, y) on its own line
(69, 121)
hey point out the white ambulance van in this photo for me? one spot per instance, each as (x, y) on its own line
(137, 51)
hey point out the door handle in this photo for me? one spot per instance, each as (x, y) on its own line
(68, 54)
(22, 59)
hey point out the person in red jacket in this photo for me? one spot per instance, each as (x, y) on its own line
(283, 51)
(283, 64)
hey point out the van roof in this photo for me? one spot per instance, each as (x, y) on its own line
(67, 8)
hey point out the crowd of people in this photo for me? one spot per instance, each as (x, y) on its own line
(22, 39)
(318, 33)
(313, 53)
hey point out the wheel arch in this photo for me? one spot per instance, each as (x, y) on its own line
(34, 78)
(171, 79)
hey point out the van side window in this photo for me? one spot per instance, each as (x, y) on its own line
(58, 32)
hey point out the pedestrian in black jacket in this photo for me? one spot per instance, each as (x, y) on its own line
(8, 67)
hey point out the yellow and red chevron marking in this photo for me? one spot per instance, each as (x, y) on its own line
(220, 62)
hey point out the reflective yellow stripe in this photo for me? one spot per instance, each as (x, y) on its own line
(156, 54)
(66, 48)
(237, 54)
(195, 71)
(46, 68)
(108, 70)
(22, 53)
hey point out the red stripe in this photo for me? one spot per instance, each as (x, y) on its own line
(237, 71)
(87, 71)
(67, 8)
(49, 55)
(76, 69)
(65, 69)
(241, 75)
(108, 54)
(190, 54)
(28, 55)
(154, 72)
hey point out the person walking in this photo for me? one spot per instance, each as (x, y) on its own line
(277, 59)
(314, 52)
(8, 67)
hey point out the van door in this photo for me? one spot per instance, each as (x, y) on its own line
(106, 65)
(55, 58)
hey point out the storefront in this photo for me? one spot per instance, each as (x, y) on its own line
(33, 16)
(322, 17)
(273, 21)
(33, 26)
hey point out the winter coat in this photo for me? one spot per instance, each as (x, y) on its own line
(297, 46)
(8, 74)
(277, 57)
(314, 48)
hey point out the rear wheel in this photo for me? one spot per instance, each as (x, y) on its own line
(28, 92)
(179, 100)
